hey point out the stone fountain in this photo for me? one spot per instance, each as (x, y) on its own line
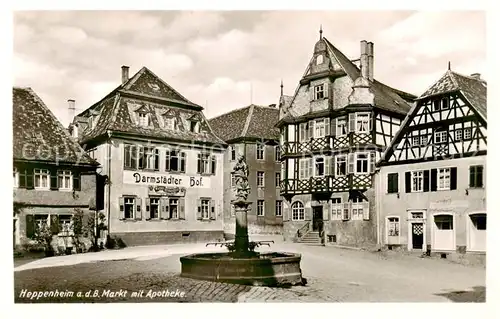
(242, 264)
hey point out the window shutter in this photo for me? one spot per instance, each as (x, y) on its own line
(141, 157)
(472, 176)
(165, 212)
(366, 210)
(54, 224)
(311, 92)
(346, 211)
(426, 181)
(408, 182)
(327, 127)
(148, 206)
(370, 122)
(350, 163)
(183, 162)
(138, 213)
(328, 165)
(333, 127)
(308, 213)
(30, 226)
(22, 178)
(198, 215)
(167, 160)
(212, 209)
(453, 178)
(29, 179)
(325, 90)
(310, 131)
(352, 122)
(372, 162)
(198, 168)
(122, 208)
(302, 169)
(302, 132)
(77, 181)
(310, 168)
(390, 185)
(214, 165)
(157, 159)
(182, 214)
(133, 156)
(479, 176)
(53, 179)
(433, 179)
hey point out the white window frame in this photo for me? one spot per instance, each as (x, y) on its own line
(169, 123)
(415, 141)
(341, 126)
(41, 173)
(397, 230)
(319, 59)
(304, 168)
(444, 179)
(362, 118)
(154, 201)
(357, 207)
(143, 119)
(195, 128)
(261, 176)
(260, 207)
(419, 175)
(319, 90)
(260, 150)
(467, 133)
(298, 212)
(65, 174)
(423, 140)
(442, 135)
(16, 177)
(356, 158)
(152, 155)
(279, 208)
(65, 225)
(205, 208)
(336, 208)
(129, 200)
(173, 203)
(459, 134)
(322, 160)
(337, 161)
(319, 128)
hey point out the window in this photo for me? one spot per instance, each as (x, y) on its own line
(130, 156)
(467, 133)
(260, 179)
(458, 134)
(154, 208)
(278, 179)
(260, 207)
(279, 208)
(277, 153)
(16, 177)
(260, 151)
(41, 222)
(436, 105)
(340, 165)
(140, 157)
(445, 103)
(444, 178)
(42, 179)
(173, 208)
(65, 225)
(319, 59)
(205, 208)
(440, 137)
(304, 164)
(152, 158)
(392, 183)
(64, 180)
(362, 122)
(423, 140)
(319, 92)
(362, 161)
(443, 222)
(393, 226)
(175, 161)
(479, 221)
(143, 119)
(476, 176)
(129, 207)
(169, 123)
(194, 126)
(206, 163)
(233, 153)
(319, 164)
(298, 212)
(319, 128)
(415, 141)
(341, 128)
(337, 208)
(357, 208)
(417, 178)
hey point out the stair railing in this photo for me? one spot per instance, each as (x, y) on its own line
(303, 230)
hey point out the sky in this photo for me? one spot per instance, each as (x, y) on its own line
(223, 60)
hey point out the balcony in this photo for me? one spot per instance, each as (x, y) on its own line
(327, 184)
(326, 143)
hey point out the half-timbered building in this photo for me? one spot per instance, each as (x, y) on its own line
(432, 179)
(333, 130)
(162, 162)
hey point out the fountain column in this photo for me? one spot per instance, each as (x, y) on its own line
(241, 236)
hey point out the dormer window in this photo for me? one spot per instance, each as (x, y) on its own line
(169, 123)
(194, 126)
(319, 59)
(319, 92)
(143, 119)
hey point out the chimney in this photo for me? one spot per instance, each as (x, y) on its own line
(124, 74)
(370, 61)
(476, 76)
(71, 110)
(364, 59)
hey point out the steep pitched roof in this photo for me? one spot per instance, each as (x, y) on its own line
(38, 135)
(253, 121)
(155, 97)
(386, 97)
(474, 90)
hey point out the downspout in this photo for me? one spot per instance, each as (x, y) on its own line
(377, 204)
(109, 181)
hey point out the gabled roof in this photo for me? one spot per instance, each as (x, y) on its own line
(39, 136)
(253, 121)
(115, 114)
(473, 89)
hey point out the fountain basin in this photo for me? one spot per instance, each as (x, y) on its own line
(265, 269)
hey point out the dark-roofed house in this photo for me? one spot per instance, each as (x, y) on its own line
(251, 131)
(432, 178)
(52, 174)
(162, 161)
(334, 128)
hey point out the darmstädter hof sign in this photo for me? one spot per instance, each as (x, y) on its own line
(151, 178)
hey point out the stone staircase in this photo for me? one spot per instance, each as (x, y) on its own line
(311, 238)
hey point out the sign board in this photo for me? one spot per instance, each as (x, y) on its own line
(169, 180)
(448, 204)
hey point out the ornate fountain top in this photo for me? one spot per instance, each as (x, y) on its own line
(240, 172)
